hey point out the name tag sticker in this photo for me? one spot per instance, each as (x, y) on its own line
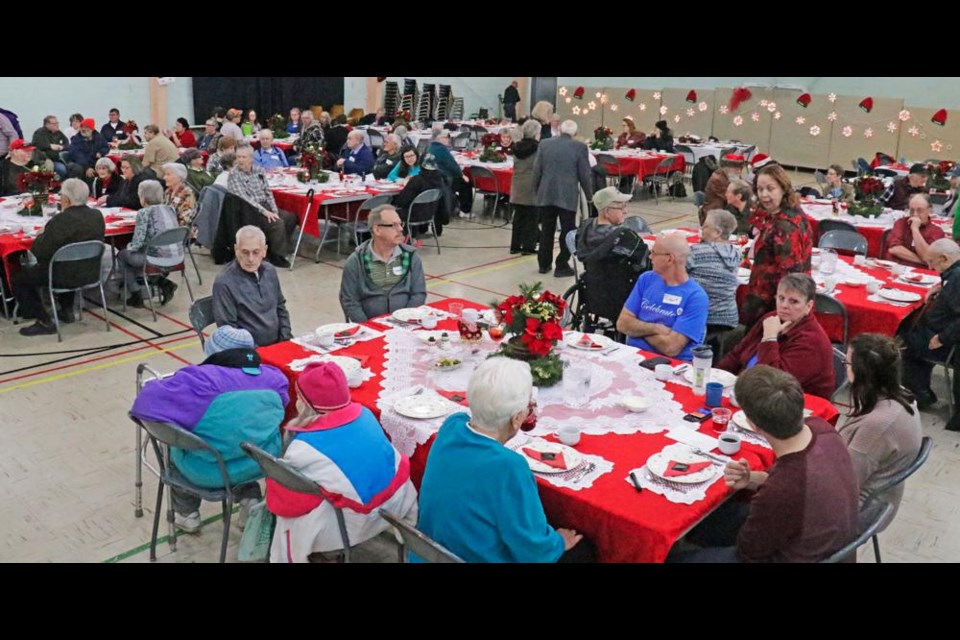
(398, 270)
(670, 299)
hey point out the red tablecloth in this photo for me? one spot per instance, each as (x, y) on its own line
(329, 204)
(625, 526)
(643, 167)
(874, 236)
(504, 180)
(13, 243)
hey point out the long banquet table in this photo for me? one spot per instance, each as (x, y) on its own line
(626, 526)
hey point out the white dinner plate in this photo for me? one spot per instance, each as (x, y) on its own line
(350, 366)
(657, 464)
(898, 295)
(921, 279)
(725, 378)
(572, 458)
(599, 342)
(335, 328)
(423, 407)
(411, 316)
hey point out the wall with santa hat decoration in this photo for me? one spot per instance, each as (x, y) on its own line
(856, 132)
(800, 135)
(931, 133)
(689, 111)
(749, 121)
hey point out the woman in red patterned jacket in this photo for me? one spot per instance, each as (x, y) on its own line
(784, 245)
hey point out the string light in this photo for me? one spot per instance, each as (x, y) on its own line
(801, 120)
(814, 130)
(663, 110)
(643, 106)
(738, 121)
(690, 113)
(657, 95)
(833, 116)
(771, 107)
(777, 115)
(904, 116)
(847, 132)
(868, 133)
(892, 127)
(914, 131)
(832, 97)
(724, 109)
(563, 91)
(755, 116)
(703, 106)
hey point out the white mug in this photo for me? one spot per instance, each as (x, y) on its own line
(428, 322)
(860, 260)
(873, 287)
(663, 372)
(569, 435)
(326, 340)
(729, 443)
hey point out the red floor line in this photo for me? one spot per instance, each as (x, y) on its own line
(669, 220)
(146, 341)
(90, 360)
(174, 320)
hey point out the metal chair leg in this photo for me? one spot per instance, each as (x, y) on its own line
(56, 319)
(156, 523)
(876, 549)
(138, 476)
(106, 313)
(227, 514)
(194, 261)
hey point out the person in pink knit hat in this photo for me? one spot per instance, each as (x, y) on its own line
(339, 444)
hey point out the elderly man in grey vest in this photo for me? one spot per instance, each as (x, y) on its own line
(562, 167)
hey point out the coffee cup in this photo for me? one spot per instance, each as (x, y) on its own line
(860, 260)
(663, 372)
(729, 443)
(326, 340)
(873, 287)
(569, 435)
(429, 322)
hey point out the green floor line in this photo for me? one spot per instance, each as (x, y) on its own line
(161, 540)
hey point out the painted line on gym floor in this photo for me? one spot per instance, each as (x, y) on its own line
(146, 340)
(480, 266)
(483, 271)
(89, 360)
(99, 367)
(469, 286)
(120, 557)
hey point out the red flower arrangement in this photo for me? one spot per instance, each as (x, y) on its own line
(38, 183)
(534, 320)
(869, 188)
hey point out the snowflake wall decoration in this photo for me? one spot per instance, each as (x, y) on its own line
(563, 91)
(904, 116)
(814, 130)
(643, 106)
(832, 97)
(936, 146)
(832, 117)
(663, 110)
(724, 109)
(771, 107)
(777, 115)
(847, 132)
(755, 116)
(914, 131)
(690, 113)
(868, 133)
(892, 127)
(801, 120)
(703, 106)
(738, 121)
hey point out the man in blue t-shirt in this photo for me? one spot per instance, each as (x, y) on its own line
(667, 311)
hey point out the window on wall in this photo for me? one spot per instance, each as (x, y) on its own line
(266, 95)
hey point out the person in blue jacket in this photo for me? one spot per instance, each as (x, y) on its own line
(229, 399)
(357, 158)
(440, 149)
(85, 149)
(479, 499)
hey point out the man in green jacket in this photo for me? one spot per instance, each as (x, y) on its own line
(52, 142)
(383, 275)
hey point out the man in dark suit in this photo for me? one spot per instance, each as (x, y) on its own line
(77, 223)
(511, 97)
(562, 167)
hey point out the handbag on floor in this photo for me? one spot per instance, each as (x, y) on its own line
(258, 534)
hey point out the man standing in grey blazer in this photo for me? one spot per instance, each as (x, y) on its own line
(561, 167)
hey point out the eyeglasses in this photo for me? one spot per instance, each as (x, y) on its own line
(398, 225)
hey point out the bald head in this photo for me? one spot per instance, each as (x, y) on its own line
(946, 248)
(675, 243)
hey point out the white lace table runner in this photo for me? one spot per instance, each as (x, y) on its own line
(405, 433)
(674, 491)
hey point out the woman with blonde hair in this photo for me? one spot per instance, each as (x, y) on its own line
(543, 112)
(630, 137)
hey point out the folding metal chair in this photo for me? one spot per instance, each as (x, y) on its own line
(872, 518)
(419, 542)
(201, 316)
(90, 251)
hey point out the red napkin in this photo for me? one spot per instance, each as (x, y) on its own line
(348, 333)
(914, 278)
(692, 467)
(460, 397)
(556, 462)
(361, 359)
(587, 343)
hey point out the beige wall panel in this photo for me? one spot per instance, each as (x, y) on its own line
(793, 144)
(931, 140)
(750, 131)
(844, 148)
(700, 122)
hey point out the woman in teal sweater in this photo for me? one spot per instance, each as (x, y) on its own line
(479, 499)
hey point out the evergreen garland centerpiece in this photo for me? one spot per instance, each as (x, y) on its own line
(278, 124)
(533, 317)
(38, 183)
(868, 190)
(602, 139)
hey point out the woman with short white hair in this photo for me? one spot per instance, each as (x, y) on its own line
(153, 219)
(479, 499)
(542, 112)
(179, 194)
(105, 184)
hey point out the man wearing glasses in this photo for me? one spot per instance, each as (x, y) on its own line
(612, 255)
(667, 311)
(383, 274)
(52, 142)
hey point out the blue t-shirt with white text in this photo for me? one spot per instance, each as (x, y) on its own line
(683, 308)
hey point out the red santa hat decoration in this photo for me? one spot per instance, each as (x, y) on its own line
(578, 94)
(940, 118)
(381, 78)
(759, 161)
(805, 100)
(631, 95)
(867, 104)
(740, 95)
(692, 97)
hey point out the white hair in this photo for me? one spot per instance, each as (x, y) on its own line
(946, 248)
(150, 192)
(244, 148)
(569, 128)
(356, 134)
(499, 389)
(177, 168)
(266, 132)
(106, 162)
(307, 114)
(721, 220)
(531, 129)
(76, 191)
(395, 139)
(253, 232)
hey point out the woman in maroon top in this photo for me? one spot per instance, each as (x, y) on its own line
(783, 246)
(182, 137)
(789, 339)
(630, 138)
